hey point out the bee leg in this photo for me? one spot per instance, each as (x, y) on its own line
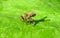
(33, 23)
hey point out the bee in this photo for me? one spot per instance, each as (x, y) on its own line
(28, 17)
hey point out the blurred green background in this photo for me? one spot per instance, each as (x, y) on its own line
(12, 27)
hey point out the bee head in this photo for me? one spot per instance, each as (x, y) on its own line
(22, 18)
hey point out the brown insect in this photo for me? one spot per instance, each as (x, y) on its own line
(27, 17)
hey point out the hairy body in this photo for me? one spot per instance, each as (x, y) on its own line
(28, 15)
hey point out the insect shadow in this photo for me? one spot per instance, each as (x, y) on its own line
(40, 20)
